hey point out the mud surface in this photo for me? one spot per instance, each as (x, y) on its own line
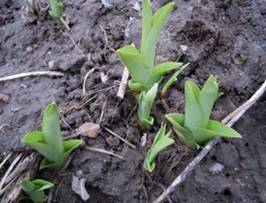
(224, 38)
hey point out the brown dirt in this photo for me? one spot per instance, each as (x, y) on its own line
(224, 38)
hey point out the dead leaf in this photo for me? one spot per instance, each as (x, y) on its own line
(89, 130)
(78, 186)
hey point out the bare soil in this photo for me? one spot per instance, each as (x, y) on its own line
(224, 38)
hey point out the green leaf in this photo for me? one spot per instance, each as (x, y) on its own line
(160, 70)
(41, 184)
(184, 134)
(158, 21)
(173, 78)
(36, 140)
(160, 142)
(51, 129)
(70, 145)
(27, 186)
(207, 97)
(194, 118)
(35, 189)
(57, 9)
(136, 87)
(134, 61)
(146, 20)
(146, 100)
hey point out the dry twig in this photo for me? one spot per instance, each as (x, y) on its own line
(119, 137)
(31, 74)
(103, 151)
(230, 120)
(85, 79)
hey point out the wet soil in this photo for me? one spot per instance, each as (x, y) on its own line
(224, 38)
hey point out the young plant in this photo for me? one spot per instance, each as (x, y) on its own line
(57, 9)
(140, 62)
(195, 128)
(160, 142)
(35, 189)
(49, 142)
(145, 102)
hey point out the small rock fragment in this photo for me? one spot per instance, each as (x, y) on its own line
(78, 186)
(4, 98)
(216, 168)
(69, 62)
(183, 48)
(89, 129)
(104, 77)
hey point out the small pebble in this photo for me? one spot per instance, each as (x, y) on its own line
(216, 168)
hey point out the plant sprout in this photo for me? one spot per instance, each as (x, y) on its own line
(161, 141)
(146, 100)
(195, 128)
(35, 189)
(49, 142)
(140, 62)
(57, 9)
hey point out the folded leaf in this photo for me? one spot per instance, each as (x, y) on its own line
(136, 87)
(158, 21)
(173, 78)
(208, 96)
(27, 186)
(70, 145)
(160, 70)
(185, 135)
(41, 184)
(134, 61)
(160, 142)
(194, 118)
(51, 129)
(146, 100)
(146, 20)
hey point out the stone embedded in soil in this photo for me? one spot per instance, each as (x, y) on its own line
(89, 130)
(69, 62)
(4, 98)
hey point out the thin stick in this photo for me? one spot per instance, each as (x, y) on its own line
(31, 74)
(230, 120)
(65, 23)
(119, 137)
(123, 84)
(9, 170)
(5, 160)
(103, 151)
(85, 79)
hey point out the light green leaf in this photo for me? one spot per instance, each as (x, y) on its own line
(207, 97)
(41, 184)
(51, 129)
(160, 70)
(57, 9)
(146, 20)
(134, 61)
(158, 21)
(184, 134)
(33, 137)
(193, 112)
(146, 100)
(160, 142)
(136, 87)
(70, 145)
(173, 78)
(27, 186)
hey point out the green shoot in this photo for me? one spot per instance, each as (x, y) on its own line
(35, 189)
(195, 128)
(146, 100)
(57, 9)
(161, 141)
(49, 141)
(140, 62)
(172, 79)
